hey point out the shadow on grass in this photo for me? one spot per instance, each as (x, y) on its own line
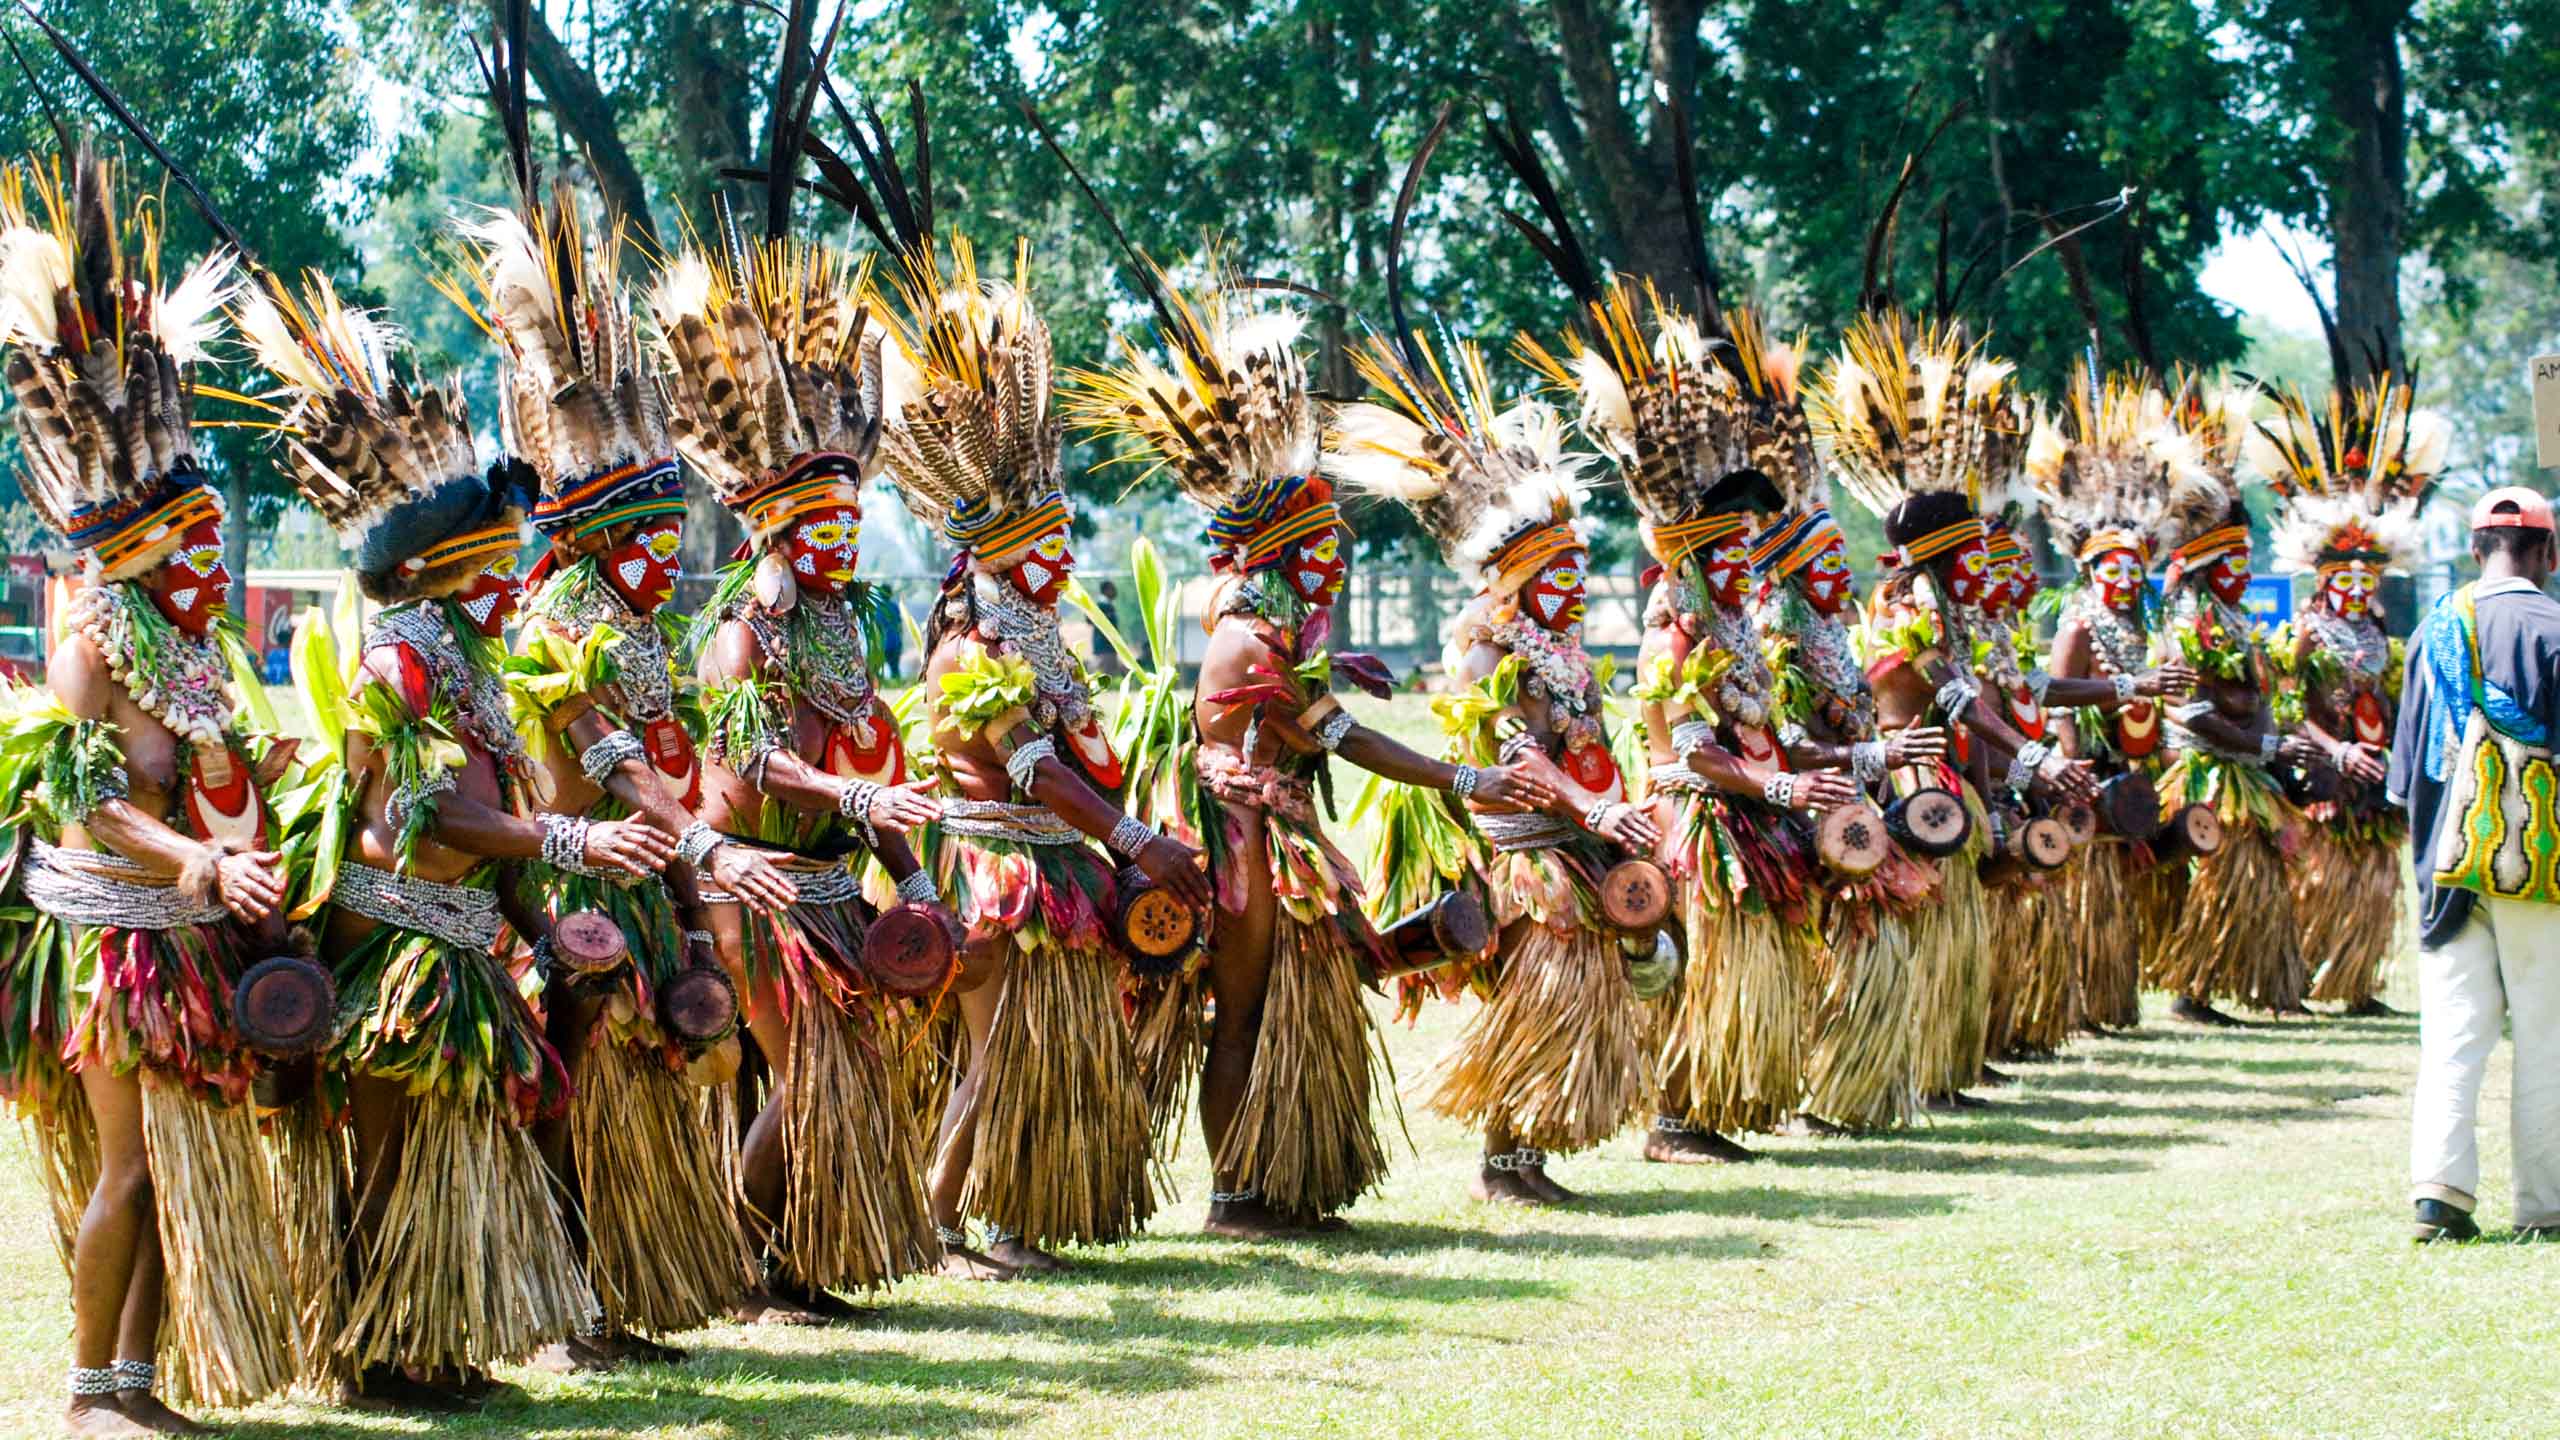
(1900, 1155)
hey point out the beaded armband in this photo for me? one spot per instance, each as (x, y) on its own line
(606, 754)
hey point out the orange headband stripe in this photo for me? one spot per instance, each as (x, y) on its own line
(1678, 541)
(138, 537)
(2102, 541)
(1314, 520)
(484, 544)
(1532, 550)
(1939, 542)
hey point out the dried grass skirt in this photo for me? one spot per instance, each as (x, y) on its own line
(1306, 1135)
(1951, 943)
(2349, 889)
(1553, 1058)
(2099, 920)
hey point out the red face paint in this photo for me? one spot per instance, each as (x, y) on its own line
(193, 586)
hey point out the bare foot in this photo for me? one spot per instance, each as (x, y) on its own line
(100, 1415)
(1503, 1187)
(2198, 1012)
(1812, 1124)
(1325, 1225)
(1537, 1179)
(2371, 1008)
(387, 1389)
(1245, 1220)
(145, 1409)
(577, 1355)
(1692, 1147)
(1022, 1255)
(1995, 1079)
(640, 1350)
(963, 1263)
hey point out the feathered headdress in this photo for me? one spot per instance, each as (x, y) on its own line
(970, 438)
(2352, 476)
(772, 371)
(2112, 470)
(388, 464)
(1227, 413)
(1922, 426)
(1494, 488)
(1768, 380)
(100, 354)
(2203, 525)
(578, 402)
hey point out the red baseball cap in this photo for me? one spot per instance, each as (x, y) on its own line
(2524, 508)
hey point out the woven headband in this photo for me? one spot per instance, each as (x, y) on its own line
(1676, 542)
(1784, 549)
(2210, 546)
(1954, 535)
(1999, 542)
(122, 534)
(995, 538)
(1321, 518)
(611, 497)
(2102, 541)
(1532, 549)
(820, 480)
(1240, 521)
(484, 545)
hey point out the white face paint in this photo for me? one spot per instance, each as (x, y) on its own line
(1035, 576)
(183, 599)
(479, 606)
(633, 572)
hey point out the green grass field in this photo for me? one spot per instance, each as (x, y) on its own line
(2173, 1234)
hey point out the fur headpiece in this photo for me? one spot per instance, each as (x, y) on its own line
(2352, 476)
(389, 465)
(100, 360)
(2112, 470)
(1922, 426)
(1494, 488)
(1227, 412)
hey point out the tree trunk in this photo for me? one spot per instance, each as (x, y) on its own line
(2369, 193)
(1631, 175)
(584, 112)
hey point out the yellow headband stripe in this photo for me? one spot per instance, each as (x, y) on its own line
(1532, 550)
(1004, 542)
(1314, 520)
(2102, 541)
(1938, 542)
(1678, 541)
(2211, 545)
(483, 545)
(171, 520)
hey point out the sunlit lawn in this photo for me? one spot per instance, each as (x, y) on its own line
(2173, 1234)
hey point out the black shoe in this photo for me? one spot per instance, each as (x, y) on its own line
(2440, 1221)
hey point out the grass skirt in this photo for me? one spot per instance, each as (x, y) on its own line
(1734, 1042)
(1553, 1057)
(2235, 937)
(307, 1168)
(229, 1335)
(470, 1261)
(1060, 1139)
(854, 1213)
(2349, 889)
(657, 1169)
(470, 1264)
(2098, 919)
(1306, 1134)
(1862, 1059)
(1951, 943)
(37, 957)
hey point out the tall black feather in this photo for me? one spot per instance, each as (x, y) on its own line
(1702, 266)
(107, 96)
(1406, 345)
(1562, 249)
(1142, 271)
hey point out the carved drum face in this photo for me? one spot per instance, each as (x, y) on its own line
(1825, 578)
(2229, 577)
(193, 586)
(1553, 597)
(1043, 569)
(1315, 568)
(491, 596)
(1967, 573)
(822, 548)
(2348, 589)
(642, 569)
(2118, 576)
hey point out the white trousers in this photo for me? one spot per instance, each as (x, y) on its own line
(2505, 964)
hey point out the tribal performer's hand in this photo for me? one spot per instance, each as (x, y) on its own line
(634, 847)
(741, 871)
(2303, 750)
(1918, 745)
(1629, 826)
(1176, 867)
(1508, 789)
(2077, 780)
(2175, 678)
(2365, 764)
(251, 883)
(1820, 790)
(904, 807)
